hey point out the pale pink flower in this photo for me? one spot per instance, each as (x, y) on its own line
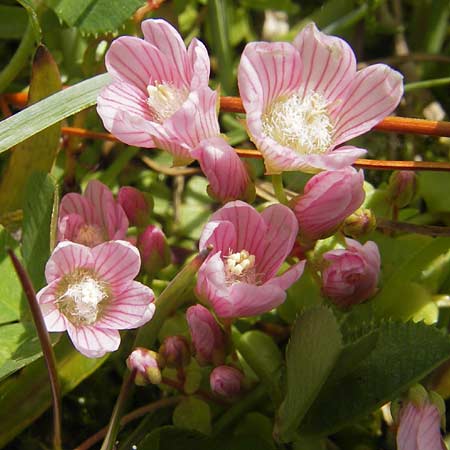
(328, 198)
(352, 273)
(136, 204)
(419, 427)
(207, 337)
(303, 100)
(226, 381)
(92, 295)
(91, 218)
(239, 277)
(145, 365)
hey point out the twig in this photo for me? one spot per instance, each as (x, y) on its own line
(429, 230)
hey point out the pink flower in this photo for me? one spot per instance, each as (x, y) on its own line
(238, 278)
(136, 204)
(207, 337)
(154, 250)
(145, 364)
(226, 381)
(419, 427)
(352, 274)
(175, 352)
(303, 100)
(91, 218)
(92, 295)
(328, 198)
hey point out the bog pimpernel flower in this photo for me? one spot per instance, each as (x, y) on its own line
(238, 278)
(91, 218)
(92, 295)
(303, 100)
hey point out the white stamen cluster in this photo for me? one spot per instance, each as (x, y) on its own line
(301, 123)
(164, 100)
(240, 267)
(80, 302)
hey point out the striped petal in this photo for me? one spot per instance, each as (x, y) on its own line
(329, 64)
(73, 203)
(374, 93)
(93, 342)
(288, 278)
(198, 64)
(220, 234)
(337, 159)
(429, 433)
(46, 297)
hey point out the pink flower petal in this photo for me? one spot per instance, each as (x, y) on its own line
(429, 434)
(69, 226)
(407, 430)
(137, 62)
(279, 238)
(123, 108)
(198, 60)
(288, 278)
(267, 71)
(46, 297)
(93, 342)
(329, 64)
(73, 203)
(129, 309)
(116, 262)
(226, 173)
(375, 92)
(337, 159)
(67, 257)
(220, 234)
(166, 38)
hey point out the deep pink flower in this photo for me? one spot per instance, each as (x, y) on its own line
(91, 218)
(419, 427)
(328, 198)
(136, 204)
(352, 274)
(303, 100)
(238, 278)
(226, 381)
(154, 250)
(146, 366)
(92, 295)
(207, 337)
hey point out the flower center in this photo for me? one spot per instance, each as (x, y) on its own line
(81, 297)
(240, 267)
(90, 235)
(301, 123)
(164, 100)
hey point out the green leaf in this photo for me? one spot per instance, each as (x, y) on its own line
(434, 188)
(33, 17)
(404, 354)
(171, 438)
(95, 16)
(37, 212)
(13, 22)
(51, 110)
(37, 153)
(25, 397)
(193, 414)
(312, 352)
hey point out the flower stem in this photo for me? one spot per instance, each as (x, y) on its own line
(46, 345)
(277, 182)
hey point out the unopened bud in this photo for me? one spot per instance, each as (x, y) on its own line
(226, 381)
(154, 250)
(136, 204)
(145, 364)
(360, 223)
(402, 188)
(175, 352)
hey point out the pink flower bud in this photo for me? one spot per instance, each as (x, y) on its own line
(226, 381)
(352, 274)
(402, 188)
(136, 204)
(360, 223)
(175, 352)
(207, 337)
(328, 198)
(154, 250)
(145, 363)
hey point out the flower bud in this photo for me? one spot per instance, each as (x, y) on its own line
(145, 364)
(154, 250)
(352, 274)
(226, 381)
(328, 198)
(360, 223)
(402, 188)
(207, 337)
(175, 352)
(136, 204)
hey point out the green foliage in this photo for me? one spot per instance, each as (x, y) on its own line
(95, 16)
(193, 414)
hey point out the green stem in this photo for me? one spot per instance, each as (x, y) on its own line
(426, 84)
(20, 58)
(46, 345)
(114, 423)
(277, 182)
